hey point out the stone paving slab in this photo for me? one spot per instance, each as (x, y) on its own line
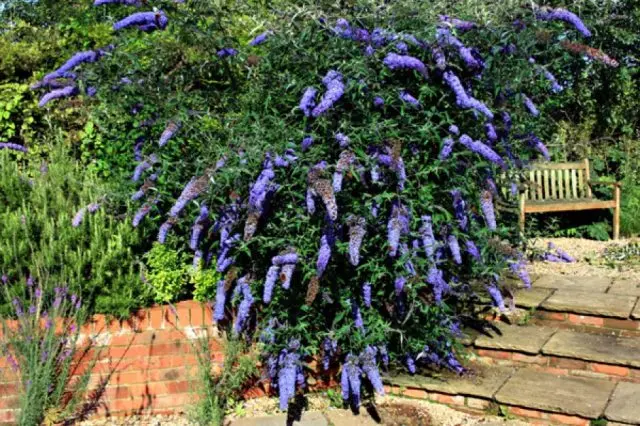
(595, 347)
(309, 418)
(590, 303)
(532, 297)
(574, 396)
(514, 338)
(484, 385)
(629, 287)
(625, 404)
(592, 284)
(347, 418)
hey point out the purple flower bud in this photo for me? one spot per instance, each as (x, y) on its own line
(369, 50)
(453, 129)
(411, 364)
(406, 97)
(342, 139)
(378, 102)
(77, 219)
(530, 106)
(357, 317)
(260, 38)
(17, 306)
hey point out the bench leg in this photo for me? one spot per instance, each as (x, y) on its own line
(521, 217)
(616, 214)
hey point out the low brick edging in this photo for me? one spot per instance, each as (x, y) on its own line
(628, 327)
(558, 365)
(477, 405)
(143, 365)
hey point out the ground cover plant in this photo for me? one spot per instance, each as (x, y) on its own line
(332, 173)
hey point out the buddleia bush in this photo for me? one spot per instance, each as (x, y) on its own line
(348, 190)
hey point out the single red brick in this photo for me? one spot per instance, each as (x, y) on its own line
(414, 393)
(448, 399)
(529, 359)
(613, 370)
(8, 388)
(586, 320)
(494, 354)
(477, 403)
(570, 364)
(9, 402)
(8, 416)
(569, 420)
(156, 317)
(554, 316)
(176, 387)
(198, 315)
(524, 412)
(621, 324)
(556, 371)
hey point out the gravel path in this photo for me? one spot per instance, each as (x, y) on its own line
(589, 259)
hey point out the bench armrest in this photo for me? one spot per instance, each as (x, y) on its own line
(601, 182)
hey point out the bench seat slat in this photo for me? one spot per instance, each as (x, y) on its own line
(568, 205)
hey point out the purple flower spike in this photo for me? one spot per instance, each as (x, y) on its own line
(539, 146)
(141, 19)
(486, 204)
(440, 286)
(496, 296)
(125, 2)
(565, 16)
(458, 24)
(398, 224)
(563, 254)
(221, 295)
(530, 106)
(307, 102)
(260, 38)
(226, 51)
(13, 146)
(342, 139)
(311, 205)
(463, 100)
(378, 102)
(141, 213)
(244, 307)
(356, 235)
(370, 369)
(472, 249)
(399, 284)
(366, 294)
(459, 207)
(65, 92)
(335, 90)
(447, 148)
(324, 254)
(394, 61)
(191, 191)
(411, 364)
(168, 133)
(490, 129)
(77, 219)
(269, 283)
(520, 269)
(164, 230)
(555, 86)
(287, 378)
(284, 259)
(482, 150)
(73, 62)
(307, 142)
(439, 58)
(428, 239)
(286, 273)
(408, 98)
(454, 248)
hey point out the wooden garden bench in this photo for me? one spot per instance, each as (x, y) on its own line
(560, 187)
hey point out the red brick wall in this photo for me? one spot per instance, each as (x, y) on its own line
(147, 362)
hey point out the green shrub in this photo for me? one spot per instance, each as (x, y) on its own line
(96, 259)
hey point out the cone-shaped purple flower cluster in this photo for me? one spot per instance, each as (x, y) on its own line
(482, 150)
(307, 102)
(335, 89)
(245, 305)
(65, 92)
(357, 231)
(394, 61)
(398, 224)
(565, 16)
(168, 133)
(260, 38)
(463, 100)
(13, 146)
(145, 21)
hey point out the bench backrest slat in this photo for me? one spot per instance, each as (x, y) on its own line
(558, 181)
